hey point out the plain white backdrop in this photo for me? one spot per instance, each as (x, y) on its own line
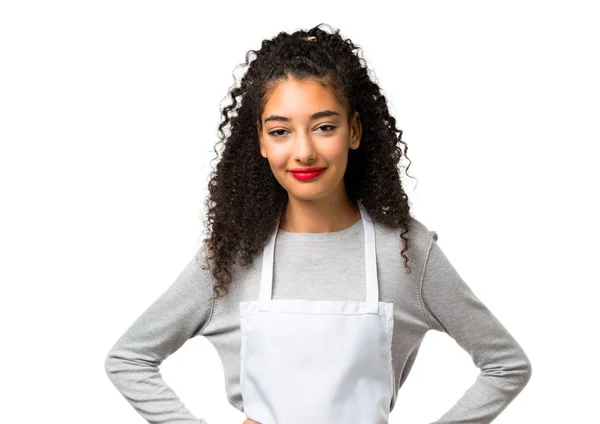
(108, 118)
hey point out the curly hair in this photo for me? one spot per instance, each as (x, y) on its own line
(245, 200)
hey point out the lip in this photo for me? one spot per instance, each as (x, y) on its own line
(314, 169)
(306, 173)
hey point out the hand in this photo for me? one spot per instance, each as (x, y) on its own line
(249, 421)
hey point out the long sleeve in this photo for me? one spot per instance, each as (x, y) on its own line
(132, 364)
(452, 307)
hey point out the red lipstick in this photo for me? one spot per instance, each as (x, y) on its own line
(307, 173)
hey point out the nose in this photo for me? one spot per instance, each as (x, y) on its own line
(304, 150)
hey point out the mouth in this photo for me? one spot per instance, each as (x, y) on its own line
(307, 173)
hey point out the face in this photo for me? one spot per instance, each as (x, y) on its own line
(304, 125)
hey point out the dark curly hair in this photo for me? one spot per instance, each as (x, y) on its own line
(245, 200)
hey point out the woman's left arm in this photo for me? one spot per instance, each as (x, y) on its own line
(452, 307)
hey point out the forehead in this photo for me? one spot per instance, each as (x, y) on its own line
(299, 99)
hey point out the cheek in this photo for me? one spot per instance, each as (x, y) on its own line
(335, 153)
(278, 158)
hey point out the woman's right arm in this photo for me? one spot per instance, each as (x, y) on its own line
(181, 312)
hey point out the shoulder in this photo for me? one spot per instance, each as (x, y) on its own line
(420, 237)
(418, 233)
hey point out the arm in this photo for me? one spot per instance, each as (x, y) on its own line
(452, 307)
(132, 364)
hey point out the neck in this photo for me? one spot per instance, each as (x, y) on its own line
(325, 215)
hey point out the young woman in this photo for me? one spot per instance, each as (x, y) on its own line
(316, 285)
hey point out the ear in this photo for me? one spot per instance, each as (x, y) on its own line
(263, 152)
(355, 131)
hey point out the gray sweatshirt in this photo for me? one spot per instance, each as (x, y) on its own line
(324, 266)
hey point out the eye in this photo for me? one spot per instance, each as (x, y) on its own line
(332, 127)
(272, 133)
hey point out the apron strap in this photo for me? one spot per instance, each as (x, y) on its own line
(372, 288)
(266, 280)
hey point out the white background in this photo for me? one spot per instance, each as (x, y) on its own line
(108, 118)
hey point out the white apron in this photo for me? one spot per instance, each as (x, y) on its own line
(317, 362)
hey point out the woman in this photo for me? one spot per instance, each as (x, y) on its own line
(325, 326)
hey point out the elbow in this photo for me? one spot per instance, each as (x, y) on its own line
(111, 364)
(522, 374)
(527, 371)
(511, 376)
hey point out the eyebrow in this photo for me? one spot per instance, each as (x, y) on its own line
(316, 115)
